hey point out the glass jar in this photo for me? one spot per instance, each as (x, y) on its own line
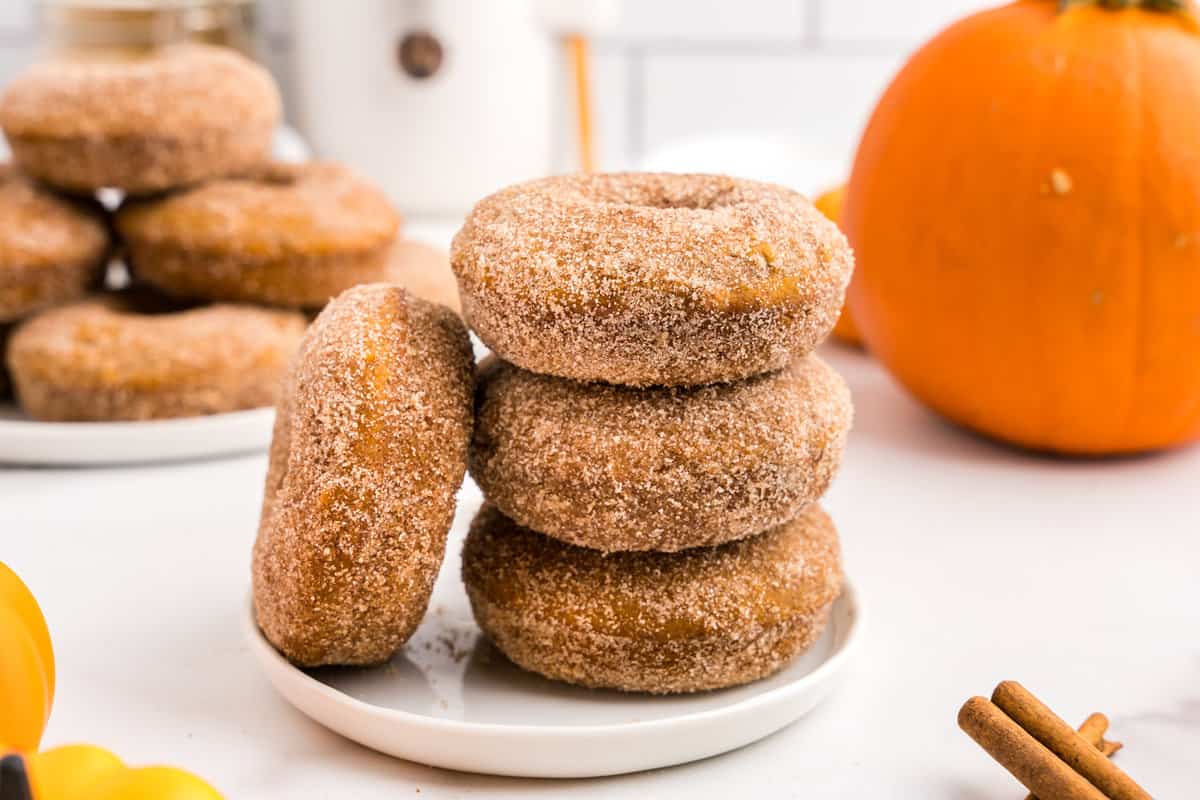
(84, 27)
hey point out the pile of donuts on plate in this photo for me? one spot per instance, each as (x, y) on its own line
(651, 435)
(228, 250)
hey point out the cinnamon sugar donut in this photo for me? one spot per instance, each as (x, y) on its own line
(52, 249)
(616, 468)
(650, 279)
(370, 448)
(127, 357)
(653, 622)
(143, 122)
(284, 234)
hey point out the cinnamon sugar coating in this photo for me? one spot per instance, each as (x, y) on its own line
(284, 234)
(142, 123)
(369, 450)
(52, 249)
(113, 358)
(616, 468)
(650, 278)
(701, 619)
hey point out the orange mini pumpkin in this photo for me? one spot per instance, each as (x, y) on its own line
(1025, 212)
(26, 665)
(830, 204)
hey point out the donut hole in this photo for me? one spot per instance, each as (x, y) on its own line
(692, 203)
(685, 195)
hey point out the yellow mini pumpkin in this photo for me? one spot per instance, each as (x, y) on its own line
(71, 771)
(84, 772)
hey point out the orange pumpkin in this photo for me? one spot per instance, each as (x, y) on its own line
(1025, 212)
(830, 204)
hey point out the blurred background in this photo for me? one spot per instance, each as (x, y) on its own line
(668, 78)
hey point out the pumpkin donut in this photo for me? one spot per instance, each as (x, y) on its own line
(653, 622)
(285, 234)
(144, 123)
(616, 468)
(51, 249)
(370, 448)
(650, 279)
(131, 357)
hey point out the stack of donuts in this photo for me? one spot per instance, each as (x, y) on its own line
(651, 438)
(654, 432)
(229, 252)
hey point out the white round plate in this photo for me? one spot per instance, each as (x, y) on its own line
(26, 441)
(450, 700)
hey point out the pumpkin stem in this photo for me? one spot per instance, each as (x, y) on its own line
(1165, 6)
(1184, 10)
(14, 783)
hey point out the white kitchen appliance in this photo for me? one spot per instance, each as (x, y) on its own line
(440, 101)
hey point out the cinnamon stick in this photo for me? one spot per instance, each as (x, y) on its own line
(1061, 739)
(1029, 761)
(1093, 729)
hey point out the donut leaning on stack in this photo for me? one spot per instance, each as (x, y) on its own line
(654, 441)
(370, 447)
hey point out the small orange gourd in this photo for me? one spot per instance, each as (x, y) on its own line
(1025, 214)
(830, 204)
(26, 665)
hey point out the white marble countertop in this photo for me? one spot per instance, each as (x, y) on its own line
(976, 563)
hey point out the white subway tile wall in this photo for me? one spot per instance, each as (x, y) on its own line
(675, 69)
(824, 98)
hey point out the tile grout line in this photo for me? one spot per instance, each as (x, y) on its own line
(635, 104)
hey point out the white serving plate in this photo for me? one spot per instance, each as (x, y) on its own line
(450, 700)
(26, 441)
